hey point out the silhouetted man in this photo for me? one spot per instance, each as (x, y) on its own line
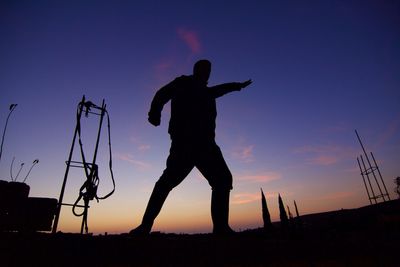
(192, 131)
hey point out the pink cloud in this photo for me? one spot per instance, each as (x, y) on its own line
(390, 131)
(260, 178)
(163, 70)
(191, 39)
(245, 198)
(143, 147)
(129, 158)
(162, 66)
(324, 160)
(337, 195)
(140, 145)
(325, 155)
(244, 154)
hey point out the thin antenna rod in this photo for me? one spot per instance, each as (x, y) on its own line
(60, 200)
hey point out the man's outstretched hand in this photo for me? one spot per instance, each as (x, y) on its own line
(246, 83)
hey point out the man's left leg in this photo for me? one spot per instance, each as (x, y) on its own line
(212, 165)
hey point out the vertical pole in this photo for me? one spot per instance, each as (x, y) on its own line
(93, 168)
(380, 175)
(369, 181)
(103, 108)
(370, 167)
(60, 199)
(84, 218)
(362, 146)
(365, 184)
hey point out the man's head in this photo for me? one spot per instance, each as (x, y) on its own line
(202, 70)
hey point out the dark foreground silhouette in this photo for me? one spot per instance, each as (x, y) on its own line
(365, 237)
(192, 131)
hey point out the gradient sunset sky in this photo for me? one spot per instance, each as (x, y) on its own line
(320, 69)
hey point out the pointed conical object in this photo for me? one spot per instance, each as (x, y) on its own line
(297, 211)
(282, 212)
(265, 212)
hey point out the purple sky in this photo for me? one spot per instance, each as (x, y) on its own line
(320, 69)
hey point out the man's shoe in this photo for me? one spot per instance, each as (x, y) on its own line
(141, 230)
(226, 231)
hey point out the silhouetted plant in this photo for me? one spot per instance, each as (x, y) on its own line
(11, 170)
(36, 161)
(12, 107)
(265, 212)
(282, 213)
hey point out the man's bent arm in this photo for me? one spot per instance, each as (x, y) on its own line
(160, 99)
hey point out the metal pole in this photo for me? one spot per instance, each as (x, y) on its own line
(369, 181)
(60, 199)
(371, 168)
(362, 146)
(365, 184)
(84, 218)
(103, 108)
(92, 170)
(380, 175)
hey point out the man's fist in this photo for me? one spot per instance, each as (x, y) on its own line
(154, 120)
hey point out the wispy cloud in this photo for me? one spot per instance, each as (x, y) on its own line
(390, 131)
(244, 153)
(140, 145)
(326, 155)
(143, 147)
(260, 178)
(245, 198)
(337, 128)
(163, 65)
(337, 195)
(130, 159)
(324, 160)
(191, 39)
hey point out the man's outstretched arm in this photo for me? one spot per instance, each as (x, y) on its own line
(160, 99)
(222, 89)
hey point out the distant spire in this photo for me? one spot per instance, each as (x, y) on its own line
(282, 212)
(298, 219)
(289, 213)
(297, 211)
(265, 212)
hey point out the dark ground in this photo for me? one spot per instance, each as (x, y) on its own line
(367, 236)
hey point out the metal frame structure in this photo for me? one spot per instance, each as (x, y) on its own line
(90, 168)
(370, 169)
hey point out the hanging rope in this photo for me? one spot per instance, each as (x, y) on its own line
(88, 190)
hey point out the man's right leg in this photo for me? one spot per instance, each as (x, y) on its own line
(178, 167)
